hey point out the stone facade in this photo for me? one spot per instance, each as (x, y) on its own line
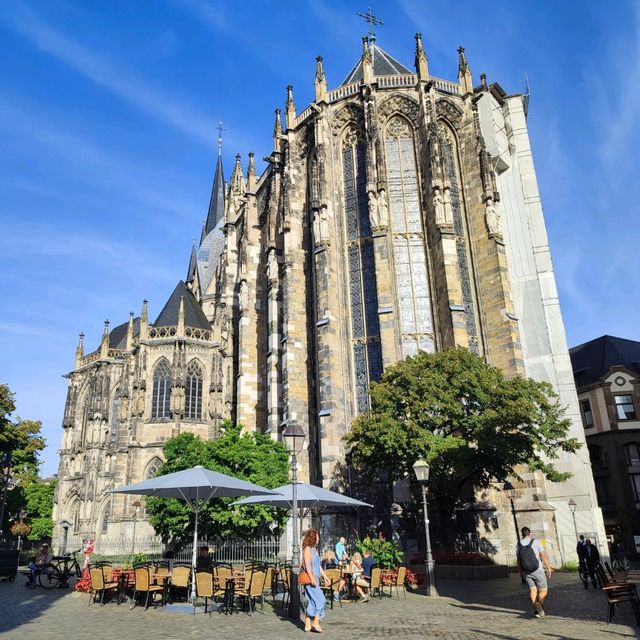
(398, 212)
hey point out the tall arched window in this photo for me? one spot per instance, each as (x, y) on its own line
(115, 419)
(193, 392)
(161, 396)
(152, 468)
(365, 326)
(410, 259)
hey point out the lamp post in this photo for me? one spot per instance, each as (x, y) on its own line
(510, 490)
(6, 476)
(421, 469)
(294, 436)
(136, 510)
(573, 505)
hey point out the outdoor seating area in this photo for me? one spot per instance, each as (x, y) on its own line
(226, 589)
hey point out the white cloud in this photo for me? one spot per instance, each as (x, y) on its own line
(121, 81)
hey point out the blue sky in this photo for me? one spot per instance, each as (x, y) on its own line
(107, 146)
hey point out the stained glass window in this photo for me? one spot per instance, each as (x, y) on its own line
(161, 396)
(193, 392)
(410, 258)
(461, 243)
(363, 296)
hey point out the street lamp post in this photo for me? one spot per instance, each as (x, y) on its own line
(294, 436)
(6, 476)
(136, 510)
(421, 469)
(510, 490)
(573, 505)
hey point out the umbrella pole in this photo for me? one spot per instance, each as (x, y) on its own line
(193, 559)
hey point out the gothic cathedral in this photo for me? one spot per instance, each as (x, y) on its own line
(398, 212)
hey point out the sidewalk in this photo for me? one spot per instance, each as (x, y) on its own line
(496, 609)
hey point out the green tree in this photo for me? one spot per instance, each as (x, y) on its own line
(472, 424)
(38, 498)
(249, 456)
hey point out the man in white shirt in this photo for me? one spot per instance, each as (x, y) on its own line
(531, 556)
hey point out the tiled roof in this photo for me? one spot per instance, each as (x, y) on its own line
(193, 314)
(382, 63)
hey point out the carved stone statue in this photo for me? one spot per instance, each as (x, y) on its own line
(383, 209)
(123, 408)
(211, 406)
(324, 223)
(448, 211)
(138, 402)
(243, 295)
(438, 206)
(316, 226)
(374, 214)
(492, 217)
(177, 400)
(272, 266)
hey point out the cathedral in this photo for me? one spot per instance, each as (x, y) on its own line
(398, 212)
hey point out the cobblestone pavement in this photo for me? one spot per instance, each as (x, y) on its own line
(495, 609)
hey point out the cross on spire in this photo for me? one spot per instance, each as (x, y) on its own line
(220, 129)
(372, 20)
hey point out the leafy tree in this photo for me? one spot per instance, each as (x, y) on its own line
(472, 424)
(39, 506)
(250, 456)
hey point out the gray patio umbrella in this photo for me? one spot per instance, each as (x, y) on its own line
(195, 486)
(308, 496)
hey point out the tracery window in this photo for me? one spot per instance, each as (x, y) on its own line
(451, 168)
(152, 468)
(410, 259)
(161, 395)
(365, 326)
(193, 392)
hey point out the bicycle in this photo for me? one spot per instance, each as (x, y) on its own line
(59, 570)
(620, 563)
(583, 573)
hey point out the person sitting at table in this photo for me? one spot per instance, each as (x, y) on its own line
(368, 562)
(329, 562)
(356, 569)
(43, 557)
(203, 561)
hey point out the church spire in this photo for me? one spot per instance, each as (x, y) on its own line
(193, 263)
(181, 317)
(422, 63)
(277, 130)
(320, 82)
(236, 184)
(80, 350)
(216, 202)
(104, 343)
(290, 108)
(251, 172)
(464, 73)
(130, 332)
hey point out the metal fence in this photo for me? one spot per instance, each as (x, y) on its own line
(234, 551)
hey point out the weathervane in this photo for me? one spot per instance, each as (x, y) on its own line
(372, 20)
(220, 129)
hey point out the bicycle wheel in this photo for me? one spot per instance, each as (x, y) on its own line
(584, 576)
(49, 577)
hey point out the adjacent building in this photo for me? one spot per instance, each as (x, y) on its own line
(398, 212)
(607, 375)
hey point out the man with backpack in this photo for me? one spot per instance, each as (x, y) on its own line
(531, 556)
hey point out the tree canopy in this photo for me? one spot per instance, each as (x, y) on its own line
(249, 456)
(471, 423)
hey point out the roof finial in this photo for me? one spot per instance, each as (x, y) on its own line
(367, 70)
(129, 344)
(220, 129)
(277, 125)
(373, 21)
(237, 180)
(144, 320)
(421, 62)
(104, 344)
(181, 317)
(80, 349)
(251, 172)
(320, 82)
(290, 107)
(464, 73)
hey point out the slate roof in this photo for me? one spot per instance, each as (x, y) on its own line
(118, 335)
(193, 314)
(593, 359)
(382, 63)
(216, 202)
(209, 255)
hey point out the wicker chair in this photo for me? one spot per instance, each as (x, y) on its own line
(285, 580)
(375, 585)
(204, 588)
(253, 588)
(617, 594)
(398, 582)
(180, 579)
(143, 584)
(335, 577)
(99, 584)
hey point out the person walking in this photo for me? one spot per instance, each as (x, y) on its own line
(531, 556)
(592, 560)
(315, 598)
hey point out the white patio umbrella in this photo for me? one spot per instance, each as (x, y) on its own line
(195, 486)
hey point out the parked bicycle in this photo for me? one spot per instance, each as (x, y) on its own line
(620, 563)
(583, 573)
(59, 570)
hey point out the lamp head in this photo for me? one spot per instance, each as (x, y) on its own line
(572, 505)
(294, 436)
(421, 469)
(509, 489)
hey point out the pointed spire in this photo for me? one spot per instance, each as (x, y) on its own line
(104, 343)
(79, 350)
(422, 64)
(320, 82)
(277, 130)
(290, 108)
(464, 73)
(367, 61)
(236, 184)
(251, 172)
(181, 317)
(144, 320)
(193, 263)
(130, 332)
(216, 202)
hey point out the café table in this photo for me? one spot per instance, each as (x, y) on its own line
(352, 576)
(228, 602)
